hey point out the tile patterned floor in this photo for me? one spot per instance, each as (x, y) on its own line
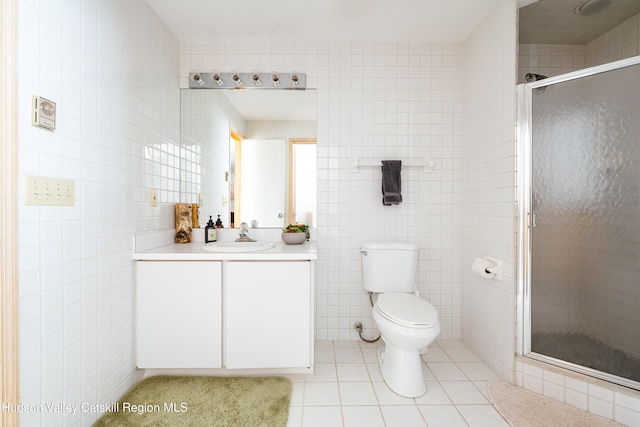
(347, 390)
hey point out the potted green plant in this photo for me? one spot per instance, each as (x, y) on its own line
(294, 234)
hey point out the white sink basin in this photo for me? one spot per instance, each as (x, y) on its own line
(237, 246)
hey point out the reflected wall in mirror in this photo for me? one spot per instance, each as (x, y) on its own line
(227, 132)
(303, 155)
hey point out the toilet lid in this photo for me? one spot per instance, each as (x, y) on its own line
(406, 309)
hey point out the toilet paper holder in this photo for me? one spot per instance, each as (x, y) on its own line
(489, 267)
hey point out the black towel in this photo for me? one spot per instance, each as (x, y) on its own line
(391, 185)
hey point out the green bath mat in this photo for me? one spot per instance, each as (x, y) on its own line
(203, 401)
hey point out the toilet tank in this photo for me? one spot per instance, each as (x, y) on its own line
(389, 266)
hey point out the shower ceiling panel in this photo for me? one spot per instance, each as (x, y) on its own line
(555, 22)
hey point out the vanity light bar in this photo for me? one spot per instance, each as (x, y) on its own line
(247, 81)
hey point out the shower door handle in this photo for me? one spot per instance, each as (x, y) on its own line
(532, 220)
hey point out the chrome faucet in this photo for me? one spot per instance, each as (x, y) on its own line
(244, 229)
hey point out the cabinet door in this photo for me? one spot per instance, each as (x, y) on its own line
(268, 314)
(178, 314)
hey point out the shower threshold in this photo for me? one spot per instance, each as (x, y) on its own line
(586, 355)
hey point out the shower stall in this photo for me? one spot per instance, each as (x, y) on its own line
(579, 210)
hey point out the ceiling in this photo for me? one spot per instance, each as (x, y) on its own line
(428, 21)
(554, 21)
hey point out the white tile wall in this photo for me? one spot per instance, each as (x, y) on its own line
(380, 101)
(112, 68)
(487, 187)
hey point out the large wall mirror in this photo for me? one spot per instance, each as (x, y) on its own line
(256, 154)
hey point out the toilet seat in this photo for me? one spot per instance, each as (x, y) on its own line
(407, 310)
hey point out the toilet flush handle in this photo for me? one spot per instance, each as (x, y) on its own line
(363, 253)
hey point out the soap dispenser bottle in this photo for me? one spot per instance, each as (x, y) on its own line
(210, 232)
(219, 223)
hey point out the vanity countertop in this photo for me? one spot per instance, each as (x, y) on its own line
(157, 247)
(193, 252)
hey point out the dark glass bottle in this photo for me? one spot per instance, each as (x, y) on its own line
(210, 233)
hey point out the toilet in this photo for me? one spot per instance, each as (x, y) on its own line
(407, 323)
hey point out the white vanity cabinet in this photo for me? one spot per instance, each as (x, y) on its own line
(178, 314)
(201, 312)
(268, 314)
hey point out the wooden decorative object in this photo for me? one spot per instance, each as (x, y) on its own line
(183, 222)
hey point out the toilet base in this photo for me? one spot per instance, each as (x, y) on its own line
(402, 371)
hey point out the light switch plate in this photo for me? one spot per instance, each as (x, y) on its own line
(45, 191)
(153, 197)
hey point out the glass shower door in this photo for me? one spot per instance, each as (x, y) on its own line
(585, 222)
